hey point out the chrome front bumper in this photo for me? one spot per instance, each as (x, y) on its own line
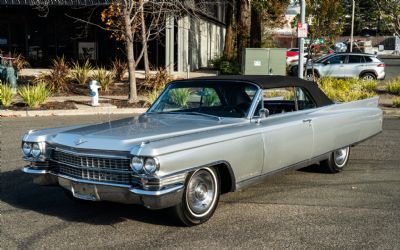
(97, 191)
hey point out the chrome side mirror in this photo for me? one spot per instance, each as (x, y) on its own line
(264, 113)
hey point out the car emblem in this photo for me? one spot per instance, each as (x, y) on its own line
(80, 140)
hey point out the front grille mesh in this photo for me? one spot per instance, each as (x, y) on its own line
(102, 169)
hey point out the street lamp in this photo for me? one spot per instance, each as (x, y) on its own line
(352, 27)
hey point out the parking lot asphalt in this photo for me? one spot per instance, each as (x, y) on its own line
(305, 209)
(392, 67)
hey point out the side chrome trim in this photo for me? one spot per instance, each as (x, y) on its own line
(261, 178)
(158, 192)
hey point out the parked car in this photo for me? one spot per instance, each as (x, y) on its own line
(293, 66)
(201, 138)
(347, 65)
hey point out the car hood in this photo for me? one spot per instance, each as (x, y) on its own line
(123, 134)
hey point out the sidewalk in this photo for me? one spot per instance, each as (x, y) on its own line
(82, 109)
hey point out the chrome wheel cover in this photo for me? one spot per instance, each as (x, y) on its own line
(368, 78)
(340, 156)
(201, 192)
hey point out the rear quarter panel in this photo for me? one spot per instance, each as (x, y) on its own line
(345, 124)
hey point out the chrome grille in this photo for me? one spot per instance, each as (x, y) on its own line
(89, 167)
(94, 175)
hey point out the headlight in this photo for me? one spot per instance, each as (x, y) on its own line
(36, 150)
(137, 164)
(26, 149)
(150, 166)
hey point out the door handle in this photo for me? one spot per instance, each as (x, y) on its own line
(307, 120)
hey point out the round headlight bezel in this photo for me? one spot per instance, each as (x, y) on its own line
(26, 149)
(36, 151)
(137, 164)
(151, 166)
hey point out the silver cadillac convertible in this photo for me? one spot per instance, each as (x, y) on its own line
(201, 138)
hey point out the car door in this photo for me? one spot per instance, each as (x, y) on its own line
(353, 66)
(333, 66)
(287, 132)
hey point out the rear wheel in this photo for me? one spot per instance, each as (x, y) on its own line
(337, 160)
(368, 77)
(200, 198)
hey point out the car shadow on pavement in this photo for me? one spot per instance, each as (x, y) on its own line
(20, 192)
(315, 168)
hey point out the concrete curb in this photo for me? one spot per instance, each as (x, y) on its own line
(86, 111)
(391, 112)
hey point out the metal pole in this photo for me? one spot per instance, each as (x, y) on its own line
(352, 27)
(301, 40)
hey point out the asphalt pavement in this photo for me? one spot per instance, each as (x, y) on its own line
(392, 67)
(306, 209)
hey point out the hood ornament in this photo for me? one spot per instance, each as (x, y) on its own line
(80, 140)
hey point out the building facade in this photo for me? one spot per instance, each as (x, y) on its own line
(41, 34)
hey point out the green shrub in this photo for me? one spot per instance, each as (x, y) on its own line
(151, 96)
(104, 77)
(158, 81)
(80, 73)
(57, 79)
(119, 68)
(369, 85)
(225, 65)
(393, 86)
(396, 102)
(34, 96)
(19, 62)
(347, 90)
(180, 96)
(6, 94)
(211, 98)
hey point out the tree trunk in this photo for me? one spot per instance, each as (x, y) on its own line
(255, 33)
(144, 42)
(228, 48)
(243, 26)
(131, 58)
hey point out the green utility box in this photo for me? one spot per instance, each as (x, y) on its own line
(264, 61)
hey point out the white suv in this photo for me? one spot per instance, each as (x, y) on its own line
(347, 65)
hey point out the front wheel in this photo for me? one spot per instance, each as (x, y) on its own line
(311, 76)
(200, 198)
(337, 160)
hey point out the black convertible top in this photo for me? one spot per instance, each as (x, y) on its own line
(274, 81)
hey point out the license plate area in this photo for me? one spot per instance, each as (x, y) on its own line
(84, 191)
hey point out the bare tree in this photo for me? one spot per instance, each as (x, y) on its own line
(141, 21)
(243, 26)
(228, 48)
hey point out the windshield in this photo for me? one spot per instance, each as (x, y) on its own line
(322, 58)
(222, 99)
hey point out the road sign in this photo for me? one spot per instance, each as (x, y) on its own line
(302, 30)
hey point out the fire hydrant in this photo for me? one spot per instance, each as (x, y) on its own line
(94, 92)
